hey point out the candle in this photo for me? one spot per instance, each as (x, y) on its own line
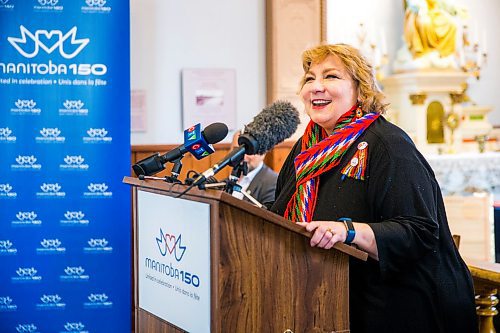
(479, 59)
(461, 55)
(475, 36)
(485, 42)
(383, 42)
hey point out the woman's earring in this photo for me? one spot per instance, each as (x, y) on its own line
(359, 112)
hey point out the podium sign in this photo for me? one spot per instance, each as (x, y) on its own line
(174, 260)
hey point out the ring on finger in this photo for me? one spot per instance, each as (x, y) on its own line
(331, 231)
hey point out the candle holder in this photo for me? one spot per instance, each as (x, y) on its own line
(473, 56)
(452, 121)
(375, 52)
(481, 142)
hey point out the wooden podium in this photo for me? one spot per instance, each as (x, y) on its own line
(264, 276)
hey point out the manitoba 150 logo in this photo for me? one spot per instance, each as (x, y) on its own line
(68, 44)
(170, 245)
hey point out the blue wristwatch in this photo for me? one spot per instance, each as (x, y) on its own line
(349, 227)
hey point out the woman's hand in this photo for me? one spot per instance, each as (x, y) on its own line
(326, 233)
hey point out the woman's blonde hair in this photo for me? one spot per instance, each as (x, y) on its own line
(370, 98)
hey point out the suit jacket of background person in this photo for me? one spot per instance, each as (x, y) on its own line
(263, 185)
(420, 283)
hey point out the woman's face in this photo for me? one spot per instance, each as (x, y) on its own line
(328, 92)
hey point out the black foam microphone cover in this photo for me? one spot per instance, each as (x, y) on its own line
(274, 124)
(215, 132)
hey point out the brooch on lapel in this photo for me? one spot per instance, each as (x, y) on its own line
(357, 166)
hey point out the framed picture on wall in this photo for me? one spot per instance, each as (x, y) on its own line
(208, 96)
(138, 111)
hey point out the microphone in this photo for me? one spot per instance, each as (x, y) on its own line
(272, 125)
(197, 142)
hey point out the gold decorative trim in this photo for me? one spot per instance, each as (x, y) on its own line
(457, 98)
(418, 99)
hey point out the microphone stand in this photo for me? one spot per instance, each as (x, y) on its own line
(143, 177)
(233, 186)
(232, 181)
(168, 179)
(176, 170)
(220, 185)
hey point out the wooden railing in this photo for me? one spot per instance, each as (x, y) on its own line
(486, 278)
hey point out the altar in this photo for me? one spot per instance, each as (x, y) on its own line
(470, 182)
(467, 173)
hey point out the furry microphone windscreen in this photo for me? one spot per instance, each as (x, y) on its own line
(273, 125)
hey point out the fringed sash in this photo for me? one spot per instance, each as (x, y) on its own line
(320, 153)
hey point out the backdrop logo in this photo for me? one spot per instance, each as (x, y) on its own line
(48, 41)
(26, 219)
(97, 301)
(97, 246)
(72, 108)
(7, 247)
(25, 107)
(74, 218)
(26, 328)
(76, 327)
(50, 135)
(4, 4)
(95, 6)
(51, 246)
(48, 2)
(48, 5)
(6, 304)
(5, 135)
(26, 162)
(51, 190)
(96, 190)
(51, 302)
(97, 135)
(74, 163)
(6, 191)
(26, 275)
(171, 245)
(74, 274)
(95, 3)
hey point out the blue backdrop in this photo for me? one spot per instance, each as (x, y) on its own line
(65, 146)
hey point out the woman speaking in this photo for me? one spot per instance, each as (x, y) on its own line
(354, 177)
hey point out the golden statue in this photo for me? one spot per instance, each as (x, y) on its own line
(429, 26)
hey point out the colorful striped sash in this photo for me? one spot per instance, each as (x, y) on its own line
(320, 153)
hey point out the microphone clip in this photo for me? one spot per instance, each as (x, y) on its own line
(240, 169)
(176, 170)
(233, 186)
(232, 181)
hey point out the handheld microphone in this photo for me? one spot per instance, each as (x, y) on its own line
(197, 142)
(272, 125)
